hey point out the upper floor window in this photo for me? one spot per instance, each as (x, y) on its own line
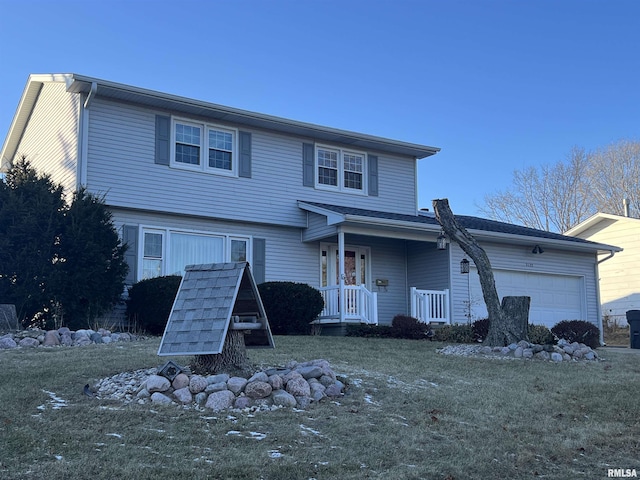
(340, 169)
(203, 147)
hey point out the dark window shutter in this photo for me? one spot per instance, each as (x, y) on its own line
(373, 175)
(244, 165)
(130, 238)
(308, 165)
(163, 138)
(258, 266)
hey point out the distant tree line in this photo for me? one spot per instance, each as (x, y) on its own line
(61, 263)
(558, 196)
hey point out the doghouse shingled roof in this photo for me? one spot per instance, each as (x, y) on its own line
(210, 297)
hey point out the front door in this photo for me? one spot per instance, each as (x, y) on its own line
(356, 266)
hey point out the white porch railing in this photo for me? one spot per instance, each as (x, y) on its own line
(430, 305)
(361, 305)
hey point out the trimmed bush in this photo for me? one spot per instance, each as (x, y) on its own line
(480, 329)
(454, 334)
(405, 326)
(150, 301)
(290, 307)
(541, 335)
(369, 331)
(579, 331)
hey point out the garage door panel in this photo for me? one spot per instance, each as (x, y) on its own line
(553, 297)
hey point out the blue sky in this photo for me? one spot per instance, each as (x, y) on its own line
(497, 85)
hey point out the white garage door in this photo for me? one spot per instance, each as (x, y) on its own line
(553, 297)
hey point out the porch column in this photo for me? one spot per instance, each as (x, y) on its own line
(341, 274)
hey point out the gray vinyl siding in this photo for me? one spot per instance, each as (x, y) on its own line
(50, 140)
(520, 258)
(287, 258)
(427, 267)
(389, 262)
(318, 228)
(121, 165)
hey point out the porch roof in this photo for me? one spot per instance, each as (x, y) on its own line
(426, 222)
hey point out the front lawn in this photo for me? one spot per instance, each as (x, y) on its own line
(409, 413)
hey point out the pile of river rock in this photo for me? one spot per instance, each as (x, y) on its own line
(295, 385)
(62, 336)
(563, 351)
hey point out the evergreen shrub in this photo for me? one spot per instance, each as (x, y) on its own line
(579, 331)
(454, 334)
(369, 331)
(541, 335)
(150, 301)
(405, 326)
(290, 306)
(480, 329)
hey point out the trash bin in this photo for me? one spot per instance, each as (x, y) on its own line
(633, 318)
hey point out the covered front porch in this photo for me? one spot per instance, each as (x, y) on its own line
(371, 271)
(361, 305)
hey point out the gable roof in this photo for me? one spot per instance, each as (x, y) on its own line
(597, 218)
(203, 308)
(479, 227)
(92, 87)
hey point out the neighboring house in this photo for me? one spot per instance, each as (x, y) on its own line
(193, 182)
(620, 275)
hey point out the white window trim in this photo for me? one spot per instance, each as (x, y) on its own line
(340, 187)
(204, 148)
(166, 240)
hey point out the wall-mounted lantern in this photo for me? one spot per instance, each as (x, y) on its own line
(464, 266)
(441, 242)
(537, 250)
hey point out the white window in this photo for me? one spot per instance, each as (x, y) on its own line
(339, 169)
(167, 252)
(153, 252)
(203, 147)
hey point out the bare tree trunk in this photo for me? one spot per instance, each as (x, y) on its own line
(502, 321)
(233, 357)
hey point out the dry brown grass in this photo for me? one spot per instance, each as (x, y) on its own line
(409, 413)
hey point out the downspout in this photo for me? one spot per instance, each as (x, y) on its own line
(598, 302)
(84, 136)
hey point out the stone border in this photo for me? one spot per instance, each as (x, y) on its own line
(33, 338)
(563, 351)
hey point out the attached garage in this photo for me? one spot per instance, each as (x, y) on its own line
(553, 297)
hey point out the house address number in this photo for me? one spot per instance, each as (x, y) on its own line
(528, 264)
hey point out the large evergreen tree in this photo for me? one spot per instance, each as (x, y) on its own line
(31, 216)
(58, 261)
(90, 276)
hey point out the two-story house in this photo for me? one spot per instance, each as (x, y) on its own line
(193, 182)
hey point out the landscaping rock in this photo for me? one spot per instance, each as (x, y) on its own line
(524, 350)
(29, 342)
(257, 389)
(220, 400)
(146, 386)
(51, 338)
(160, 399)
(236, 384)
(157, 383)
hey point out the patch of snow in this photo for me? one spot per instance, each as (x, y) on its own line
(310, 430)
(275, 454)
(117, 435)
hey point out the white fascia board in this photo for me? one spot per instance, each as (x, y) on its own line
(551, 242)
(595, 219)
(386, 222)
